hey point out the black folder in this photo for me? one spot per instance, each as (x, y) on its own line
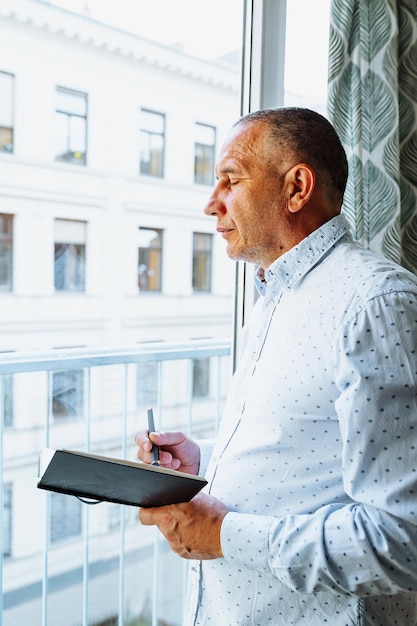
(95, 478)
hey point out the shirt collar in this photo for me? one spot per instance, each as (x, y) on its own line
(294, 264)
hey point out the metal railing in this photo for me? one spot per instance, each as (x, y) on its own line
(109, 570)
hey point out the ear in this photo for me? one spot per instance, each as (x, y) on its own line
(301, 181)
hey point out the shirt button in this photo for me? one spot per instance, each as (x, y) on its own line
(254, 356)
(271, 304)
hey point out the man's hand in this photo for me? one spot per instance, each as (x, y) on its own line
(192, 529)
(176, 451)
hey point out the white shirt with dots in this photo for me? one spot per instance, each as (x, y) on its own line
(316, 457)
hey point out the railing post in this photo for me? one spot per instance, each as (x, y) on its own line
(86, 509)
(1, 493)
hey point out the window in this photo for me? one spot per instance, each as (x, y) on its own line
(7, 398)
(152, 143)
(69, 263)
(6, 252)
(147, 384)
(6, 112)
(71, 126)
(201, 378)
(204, 154)
(7, 520)
(67, 394)
(202, 255)
(65, 521)
(150, 259)
(312, 90)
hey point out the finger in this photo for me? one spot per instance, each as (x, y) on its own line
(146, 517)
(167, 438)
(141, 438)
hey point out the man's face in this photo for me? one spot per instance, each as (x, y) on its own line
(249, 199)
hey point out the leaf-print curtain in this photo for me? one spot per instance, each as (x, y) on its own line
(372, 103)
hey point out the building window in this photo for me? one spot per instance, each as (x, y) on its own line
(69, 263)
(150, 259)
(204, 154)
(6, 252)
(71, 126)
(152, 143)
(7, 399)
(6, 112)
(7, 520)
(202, 255)
(201, 378)
(147, 384)
(68, 394)
(65, 522)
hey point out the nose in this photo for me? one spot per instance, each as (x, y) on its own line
(215, 205)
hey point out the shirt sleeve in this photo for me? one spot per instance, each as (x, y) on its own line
(368, 546)
(206, 449)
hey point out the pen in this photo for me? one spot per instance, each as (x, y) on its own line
(151, 429)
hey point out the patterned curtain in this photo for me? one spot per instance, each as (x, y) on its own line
(372, 103)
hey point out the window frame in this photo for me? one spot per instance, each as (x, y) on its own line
(156, 254)
(207, 158)
(7, 398)
(8, 129)
(7, 240)
(70, 249)
(150, 135)
(203, 262)
(71, 117)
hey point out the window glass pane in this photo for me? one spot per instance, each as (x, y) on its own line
(6, 112)
(201, 378)
(61, 136)
(7, 520)
(71, 126)
(150, 259)
(65, 522)
(6, 252)
(69, 267)
(307, 47)
(202, 254)
(152, 143)
(6, 139)
(7, 388)
(128, 106)
(69, 255)
(6, 100)
(68, 394)
(204, 164)
(204, 154)
(77, 137)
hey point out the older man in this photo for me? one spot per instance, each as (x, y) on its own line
(310, 515)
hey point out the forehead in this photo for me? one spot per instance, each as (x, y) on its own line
(244, 144)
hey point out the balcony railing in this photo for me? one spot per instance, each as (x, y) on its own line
(64, 563)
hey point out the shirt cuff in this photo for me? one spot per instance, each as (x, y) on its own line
(244, 539)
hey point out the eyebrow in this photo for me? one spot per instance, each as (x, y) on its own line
(228, 169)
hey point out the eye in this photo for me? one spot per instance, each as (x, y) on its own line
(233, 181)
